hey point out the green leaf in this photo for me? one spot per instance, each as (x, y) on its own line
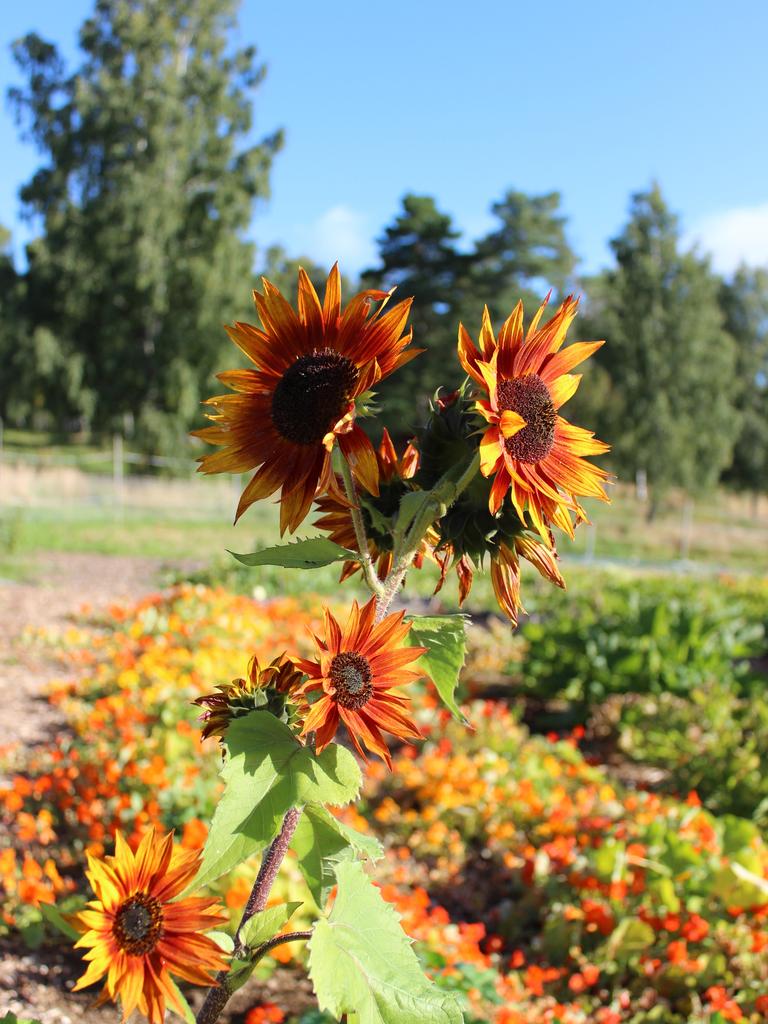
(188, 1015)
(631, 936)
(266, 923)
(361, 962)
(321, 842)
(267, 772)
(737, 886)
(11, 1018)
(261, 927)
(56, 918)
(445, 638)
(223, 940)
(311, 553)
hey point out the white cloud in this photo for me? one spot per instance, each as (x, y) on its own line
(342, 234)
(734, 236)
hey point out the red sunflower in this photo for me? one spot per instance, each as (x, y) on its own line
(287, 412)
(336, 519)
(355, 674)
(529, 449)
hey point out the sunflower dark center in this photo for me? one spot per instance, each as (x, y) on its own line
(312, 395)
(138, 924)
(351, 675)
(529, 396)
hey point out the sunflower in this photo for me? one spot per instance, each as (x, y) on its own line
(270, 688)
(138, 935)
(287, 413)
(336, 520)
(531, 451)
(355, 673)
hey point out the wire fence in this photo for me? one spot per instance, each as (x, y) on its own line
(116, 479)
(723, 531)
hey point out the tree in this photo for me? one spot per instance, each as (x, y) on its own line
(419, 256)
(668, 357)
(143, 198)
(745, 305)
(525, 256)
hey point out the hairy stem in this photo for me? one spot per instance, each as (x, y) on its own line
(438, 501)
(369, 570)
(218, 997)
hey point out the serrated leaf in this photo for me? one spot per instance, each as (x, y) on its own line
(266, 923)
(321, 841)
(445, 638)
(267, 772)
(311, 553)
(361, 962)
(54, 917)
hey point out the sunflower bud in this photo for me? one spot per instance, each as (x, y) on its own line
(266, 689)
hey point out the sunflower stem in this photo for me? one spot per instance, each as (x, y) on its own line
(438, 501)
(369, 570)
(218, 997)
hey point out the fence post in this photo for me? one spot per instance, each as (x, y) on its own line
(118, 473)
(685, 533)
(589, 554)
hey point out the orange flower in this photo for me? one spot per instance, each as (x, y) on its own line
(286, 414)
(336, 520)
(267, 1013)
(138, 934)
(357, 668)
(529, 449)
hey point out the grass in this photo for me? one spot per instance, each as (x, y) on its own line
(189, 520)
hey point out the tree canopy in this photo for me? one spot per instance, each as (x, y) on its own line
(147, 183)
(670, 361)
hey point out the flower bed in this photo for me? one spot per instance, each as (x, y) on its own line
(534, 886)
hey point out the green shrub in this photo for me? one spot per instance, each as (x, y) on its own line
(713, 741)
(647, 635)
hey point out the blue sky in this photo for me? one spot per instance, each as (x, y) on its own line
(464, 100)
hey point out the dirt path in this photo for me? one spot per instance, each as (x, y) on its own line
(63, 585)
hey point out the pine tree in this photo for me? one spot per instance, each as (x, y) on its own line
(669, 359)
(525, 256)
(745, 305)
(143, 198)
(419, 257)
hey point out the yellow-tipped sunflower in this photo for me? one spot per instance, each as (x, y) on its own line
(531, 451)
(336, 519)
(137, 934)
(355, 674)
(287, 413)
